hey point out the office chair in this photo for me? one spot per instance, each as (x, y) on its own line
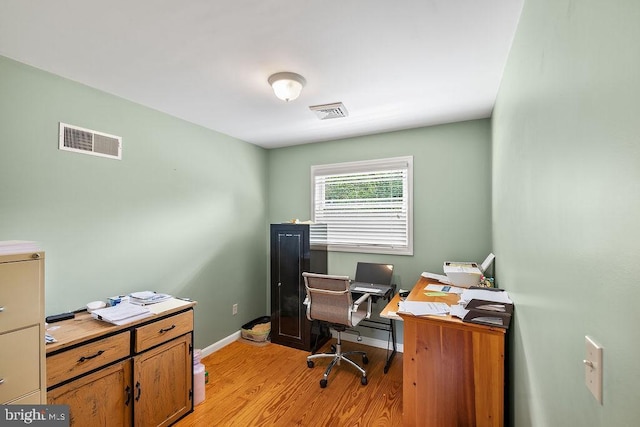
(329, 300)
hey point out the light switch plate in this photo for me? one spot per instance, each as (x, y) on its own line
(593, 368)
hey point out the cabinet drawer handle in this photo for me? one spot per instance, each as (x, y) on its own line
(127, 391)
(139, 390)
(1, 380)
(1, 309)
(162, 331)
(83, 358)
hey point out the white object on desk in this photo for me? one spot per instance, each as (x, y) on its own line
(439, 277)
(392, 315)
(167, 305)
(147, 297)
(467, 274)
(485, 295)
(444, 288)
(487, 262)
(458, 311)
(463, 274)
(423, 308)
(95, 305)
(122, 313)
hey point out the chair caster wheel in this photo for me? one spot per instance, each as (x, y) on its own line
(365, 360)
(323, 383)
(364, 380)
(310, 363)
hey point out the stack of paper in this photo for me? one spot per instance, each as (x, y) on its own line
(147, 297)
(439, 277)
(491, 307)
(486, 295)
(423, 308)
(122, 313)
(18, 247)
(444, 288)
(459, 311)
(489, 313)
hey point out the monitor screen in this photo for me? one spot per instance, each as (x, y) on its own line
(379, 274)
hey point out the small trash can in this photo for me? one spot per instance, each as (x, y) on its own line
(198, 379)
(257, 330)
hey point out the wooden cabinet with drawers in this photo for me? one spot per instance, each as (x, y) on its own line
(22, 362)
(138, 374)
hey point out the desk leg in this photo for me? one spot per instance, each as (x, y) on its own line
(392, 335)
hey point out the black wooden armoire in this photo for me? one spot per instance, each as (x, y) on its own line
(295, 248)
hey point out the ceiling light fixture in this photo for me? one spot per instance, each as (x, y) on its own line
(287, 86)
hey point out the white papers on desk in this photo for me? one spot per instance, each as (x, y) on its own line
(147, 297)
(485, 295)
(170, 304)
(423, 308)
(444, 288)
(18, 247)
(122, 313)
(458, 311)
(439, 277)
(392, 315)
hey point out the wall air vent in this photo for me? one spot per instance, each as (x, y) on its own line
(330, 111)
(86, 141)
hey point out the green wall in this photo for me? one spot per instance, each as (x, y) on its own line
(566, 209)
(180, 213)
(452, 192)
(183, 209)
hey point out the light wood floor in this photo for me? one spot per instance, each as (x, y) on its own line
(271, 385)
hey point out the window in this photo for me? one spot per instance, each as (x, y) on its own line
(366, 205)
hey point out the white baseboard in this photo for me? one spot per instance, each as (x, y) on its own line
(373, 342)
(218, 345)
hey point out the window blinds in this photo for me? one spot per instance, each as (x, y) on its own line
(365, 204)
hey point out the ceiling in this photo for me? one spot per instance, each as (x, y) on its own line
(394, 64)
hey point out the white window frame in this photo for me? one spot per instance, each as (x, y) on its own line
(395, 163)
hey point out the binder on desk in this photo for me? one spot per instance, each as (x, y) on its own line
(489, 313)
(121, 314)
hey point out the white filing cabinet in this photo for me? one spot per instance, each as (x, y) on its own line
(22, 347)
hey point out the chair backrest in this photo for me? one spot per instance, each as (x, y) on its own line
(329, 298)
(369, 272)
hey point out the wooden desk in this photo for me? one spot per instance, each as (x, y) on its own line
(453, 373)
(136, 374)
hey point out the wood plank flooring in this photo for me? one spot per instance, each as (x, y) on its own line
(271, 385)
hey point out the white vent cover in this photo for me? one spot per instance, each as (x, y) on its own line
(330, 111)
(86, 141)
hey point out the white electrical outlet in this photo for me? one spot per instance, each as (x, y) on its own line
(593, 368)
(234, 309)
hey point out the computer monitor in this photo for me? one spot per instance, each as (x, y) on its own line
(379, 274)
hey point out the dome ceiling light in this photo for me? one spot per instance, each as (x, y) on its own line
(287, 86)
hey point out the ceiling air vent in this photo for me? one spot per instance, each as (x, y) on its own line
(330, 111)
(86, 141)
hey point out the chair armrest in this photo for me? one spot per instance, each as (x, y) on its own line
(363, 298)
(360, 300)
